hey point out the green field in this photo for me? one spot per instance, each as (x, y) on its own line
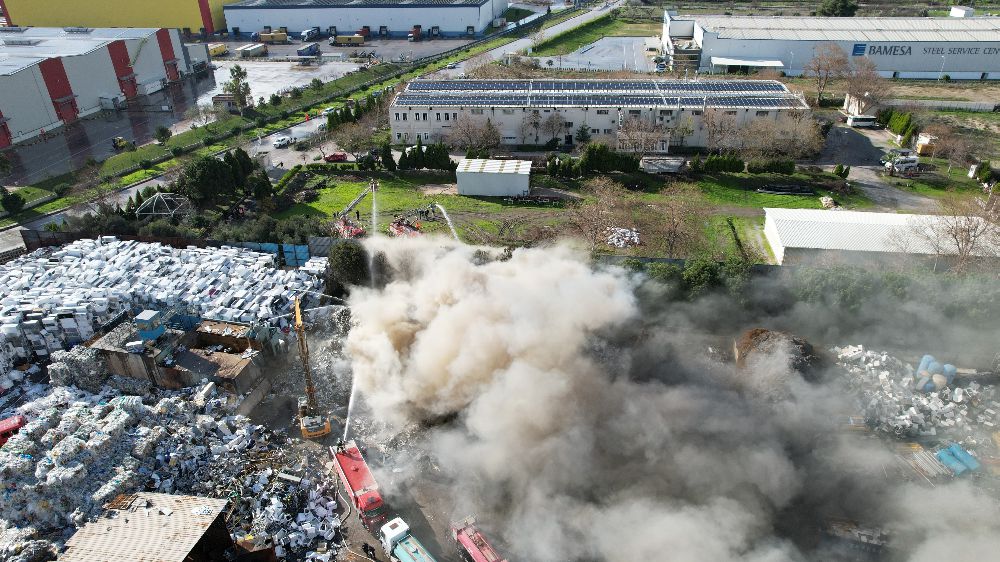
(606, 26)
(516, 14)
(939, 183)
(738, 190)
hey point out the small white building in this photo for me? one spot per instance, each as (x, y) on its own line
(493, 178)
(817, 236)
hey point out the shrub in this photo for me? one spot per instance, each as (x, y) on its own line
(208, 141)
(666, 273)
(261, 122)
(301, 146)
(11, 201)
(275, 100)
(289, 175)
(177, 151)
(284, 114)
(946, 78)
(700, 275)
(839, 170)
(696, 164)
(724, 163)
(145, 164)
(295, 93)
(846, 171)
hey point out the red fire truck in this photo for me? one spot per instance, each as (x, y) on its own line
(360, 485)
(9, 427)
(472, 544)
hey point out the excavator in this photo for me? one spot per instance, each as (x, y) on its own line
(312, 424)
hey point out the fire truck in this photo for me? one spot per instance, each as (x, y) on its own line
(360, 485)
(472, 544)
(9, 427)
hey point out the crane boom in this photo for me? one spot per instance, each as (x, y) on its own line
(300, 331)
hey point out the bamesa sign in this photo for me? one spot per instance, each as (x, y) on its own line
(862, 49)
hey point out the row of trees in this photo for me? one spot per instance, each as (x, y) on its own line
(863, 84)
(207, 180)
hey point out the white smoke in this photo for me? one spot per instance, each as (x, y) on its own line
(564, 448)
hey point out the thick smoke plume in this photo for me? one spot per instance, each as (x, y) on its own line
(582, 430)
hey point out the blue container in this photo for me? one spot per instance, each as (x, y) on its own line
(964, 457)
(949, 461)
(925, 361)
(934, 368)
(949, 372)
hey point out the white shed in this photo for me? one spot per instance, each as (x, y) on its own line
(493, 178)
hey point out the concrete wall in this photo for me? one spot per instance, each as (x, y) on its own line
(407, 122)
(399, 18)
(26, 104)
(962, 60)
(117, 13)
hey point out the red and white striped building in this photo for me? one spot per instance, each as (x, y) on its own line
(50, 77)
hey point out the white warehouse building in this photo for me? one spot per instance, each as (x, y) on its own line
(50, 77)
(964, 48)
(536, 111)
(379, 18)
(493, 178)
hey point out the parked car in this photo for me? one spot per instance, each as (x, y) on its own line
(336, 157)
(322, 127)
(282, 141)
(893, 154)
(329, 110)
(452, 65)
(903, 164)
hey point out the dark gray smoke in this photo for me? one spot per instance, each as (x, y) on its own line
(587, 429)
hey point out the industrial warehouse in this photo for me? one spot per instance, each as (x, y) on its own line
(963, 48)
(382, 18)
(50, 77)
(536, 111)
(190, 16)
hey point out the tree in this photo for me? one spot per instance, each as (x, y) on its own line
(200, 115)
(829, 62)
(528, 128)
(275, 100)
(553, 126)
(679, 224)
(966, 230)
(838, 8)
(348, 266)
(640, 136)
(354, 138)
(791, 134)
(682, 130)
(162, 134)
(720, 130)
(259, 186)
(865, 87)
(238, 87)
(12, 201)
(582, 134)
(417, 155)
(205, 180)
(385, 155)
(469, 133)
(949, 144)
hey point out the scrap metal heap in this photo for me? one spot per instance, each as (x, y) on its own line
(80, 450)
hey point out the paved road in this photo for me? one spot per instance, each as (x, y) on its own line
(861, 149)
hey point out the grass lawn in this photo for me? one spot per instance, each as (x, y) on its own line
(605, 26)
(739, 190)
(939, 183)
(516, 14)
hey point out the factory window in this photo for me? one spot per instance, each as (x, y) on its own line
(634, 112)
(427, 136)
(437, 116)
(666, 112)
(425, 117)
(399, 136)
(608, 131)
(454, 117)
(406, 136)
(602, 111)
(510, 138)
(445, 116)
(595, 131)
(763, 113)
(535, 111)
(508, 112)
(404, 117)
(397, 117)
(731, 112)
(477, 111)
(569, 124)
(696, 112)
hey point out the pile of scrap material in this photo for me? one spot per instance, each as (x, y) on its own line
(759, 344)
(80, 450)
(621, 237)
(910, 402)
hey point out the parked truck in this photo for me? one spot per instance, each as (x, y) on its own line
(310, 34)
(400, 545)
(310, 50)
(471, 543)
(217, 49)
(348, 40)
(360, 485)
(273, 37)
(250, 51)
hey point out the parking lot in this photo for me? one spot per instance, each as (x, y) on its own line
(608, 53)
(266, 78)
(389, 50)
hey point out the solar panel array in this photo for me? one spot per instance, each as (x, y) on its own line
(599, 93)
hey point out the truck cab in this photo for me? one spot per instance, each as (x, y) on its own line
(310, 34)
(400, 545)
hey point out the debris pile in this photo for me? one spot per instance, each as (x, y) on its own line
(56, 297)
(622, 237)
(909, 402)
(80, 450)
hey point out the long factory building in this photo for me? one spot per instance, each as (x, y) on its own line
(190, 16)
(429, 109)
(377, 18)
(963, 48)
(50, 77)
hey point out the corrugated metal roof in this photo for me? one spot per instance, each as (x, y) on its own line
(150, 528)
(494, 166)
(850, 29)
(23, 47)
(860, 232)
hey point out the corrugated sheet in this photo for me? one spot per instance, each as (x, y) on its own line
(154, 528)
(851, 29)
(852, 230)
(494, 166)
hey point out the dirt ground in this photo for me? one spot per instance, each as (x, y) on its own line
(964, 90)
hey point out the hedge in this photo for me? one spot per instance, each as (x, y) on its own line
(280, 186)
(723, 163)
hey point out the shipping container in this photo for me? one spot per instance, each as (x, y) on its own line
(249, 51)
(218, 49)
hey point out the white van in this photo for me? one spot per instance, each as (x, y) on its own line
(903, 164)
(861, 121)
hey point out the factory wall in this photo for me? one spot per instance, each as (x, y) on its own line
(398, 18)
(432, 124)
(92, 76)
(928, 60)
(192, 15)
(25, 102)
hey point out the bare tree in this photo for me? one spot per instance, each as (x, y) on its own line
(949, 144)
(865, 87)
(201, 115)
(682, 130)
(966, 232)
(829, 62)
(641, 136)
(677, 224)
(355, 138)
(608, 205)
(791, 134)
(720, 129)
(529, 126)
(478, 61)
(467, 133)
(553, 125)
(537, 37)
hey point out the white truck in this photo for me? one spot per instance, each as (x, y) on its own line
(903, 164)
(310, 34)
(400, 545)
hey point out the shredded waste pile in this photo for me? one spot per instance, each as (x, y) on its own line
(622, 237)
(80, 450)
(58, 296)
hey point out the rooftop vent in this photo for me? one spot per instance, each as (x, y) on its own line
(21, 42)
(77, 29)
(12, 29)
